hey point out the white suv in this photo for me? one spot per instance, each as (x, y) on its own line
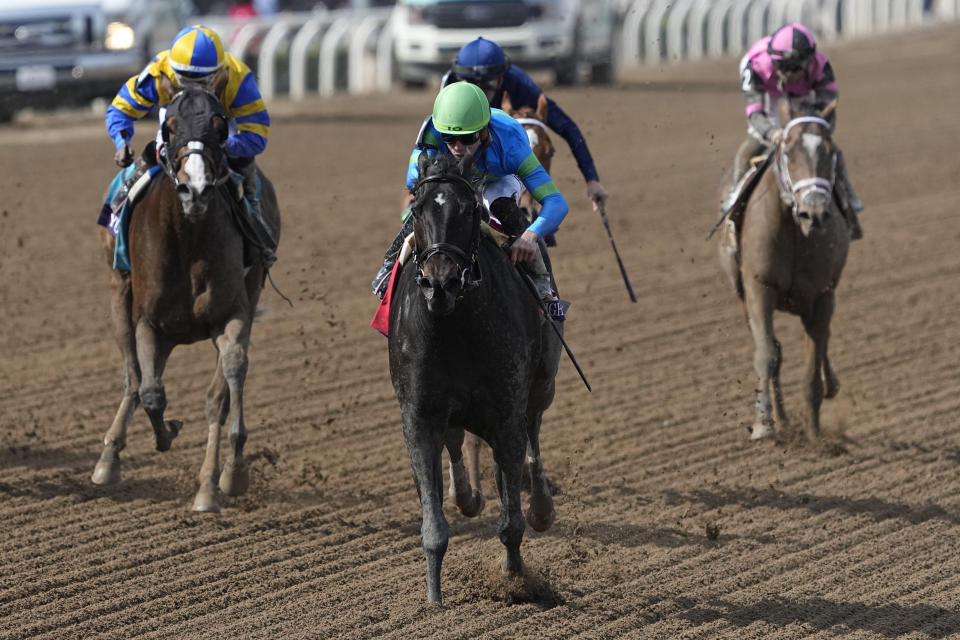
(560, 35)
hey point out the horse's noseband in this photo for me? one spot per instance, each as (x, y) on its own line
(793, 193)
(465, 261)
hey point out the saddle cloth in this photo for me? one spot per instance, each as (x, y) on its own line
(115, 216)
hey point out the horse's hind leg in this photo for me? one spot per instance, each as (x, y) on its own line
(463, 480)
(235, 478)
(107, 469)
(541, 514)
(817, 326)
(218, 397)
(759, 301)
(152, 354)
(830, 378)
(508, 466)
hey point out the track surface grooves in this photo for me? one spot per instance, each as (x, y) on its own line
(856, 540)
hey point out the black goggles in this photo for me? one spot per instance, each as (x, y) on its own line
(791, 66)
(466, 139)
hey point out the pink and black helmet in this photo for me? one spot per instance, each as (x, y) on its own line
(791, 47)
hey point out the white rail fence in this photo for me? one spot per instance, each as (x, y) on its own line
(325, 52)
(655, 31)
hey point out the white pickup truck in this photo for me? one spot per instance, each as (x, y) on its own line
(66, 52)
(559, 35)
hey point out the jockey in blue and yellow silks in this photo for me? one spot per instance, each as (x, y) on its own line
(197, 56)
(462, 122)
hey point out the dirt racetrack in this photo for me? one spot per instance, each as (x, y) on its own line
(858, 539)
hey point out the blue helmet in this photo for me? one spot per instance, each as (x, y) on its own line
(481, 59)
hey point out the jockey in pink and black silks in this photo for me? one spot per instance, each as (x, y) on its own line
(786, 65)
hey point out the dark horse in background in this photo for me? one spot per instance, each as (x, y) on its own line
(793, 247)
(468, 350)
(188, 281)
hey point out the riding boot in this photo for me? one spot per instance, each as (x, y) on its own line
(850, 204)
(251, 198)
(382, 279)
(747, 150)
(508, 212)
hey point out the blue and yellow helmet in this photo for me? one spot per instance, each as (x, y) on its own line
(196, 51)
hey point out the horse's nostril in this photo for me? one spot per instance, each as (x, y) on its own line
(183, 190)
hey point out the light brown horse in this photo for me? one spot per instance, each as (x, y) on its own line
(534, 122)
(793, 247)
(188, 281)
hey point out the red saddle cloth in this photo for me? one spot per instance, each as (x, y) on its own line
(381, 319)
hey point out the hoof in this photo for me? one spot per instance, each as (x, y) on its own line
(512, 564)
(538, 523)
(471, 504)
(761, 431)
(234, 481)
(172, 429)
(106, 472)
(206, 502)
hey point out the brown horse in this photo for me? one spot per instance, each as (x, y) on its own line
(533, 121)
(793, 247)
(188, 281)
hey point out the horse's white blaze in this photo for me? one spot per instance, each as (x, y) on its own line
(812, 142)
(440, 200)
(533, 137)
(194, 168)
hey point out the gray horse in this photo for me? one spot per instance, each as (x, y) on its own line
(793, 243)
(468, 350)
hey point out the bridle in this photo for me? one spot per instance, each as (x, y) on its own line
(212, 154)
(792, 192)
(464, 259)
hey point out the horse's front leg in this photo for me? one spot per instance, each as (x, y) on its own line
(107, 469)
(760, 302)
(508, 451)
(424, 446)
(464, 450)
(817, 326)
(218, 398)
(152, 353)
(235, 478)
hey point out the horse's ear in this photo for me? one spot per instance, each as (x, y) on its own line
(827, 112)
(542, 108)
(465, 166)
(220, 81)
(168, 128)
(505, 103)
(423, 160)
(785, 112)
(167, 87)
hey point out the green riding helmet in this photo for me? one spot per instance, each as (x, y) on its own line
(461, 108)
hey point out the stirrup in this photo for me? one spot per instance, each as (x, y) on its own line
(382, 279)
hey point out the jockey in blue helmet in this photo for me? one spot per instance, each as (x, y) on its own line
(197, 56)
(483, 63)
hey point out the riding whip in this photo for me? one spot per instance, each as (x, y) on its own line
(623, 271)
(553, 323)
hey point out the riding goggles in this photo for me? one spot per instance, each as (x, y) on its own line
(791, 65)
(186, 77)
(466, 139)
